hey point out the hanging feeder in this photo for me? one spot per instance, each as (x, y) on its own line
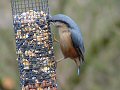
(34, 44)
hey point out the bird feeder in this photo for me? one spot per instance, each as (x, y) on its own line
(34, 44)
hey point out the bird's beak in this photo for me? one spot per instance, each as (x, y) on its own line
(51, 21)
(49, 18)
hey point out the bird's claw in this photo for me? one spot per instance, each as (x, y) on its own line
(54, 38)
(60, 60)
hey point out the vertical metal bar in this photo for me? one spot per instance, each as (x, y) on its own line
(24, 6)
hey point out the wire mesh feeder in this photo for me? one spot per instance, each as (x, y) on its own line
(34, 46)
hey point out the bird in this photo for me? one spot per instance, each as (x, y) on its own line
(71, 40)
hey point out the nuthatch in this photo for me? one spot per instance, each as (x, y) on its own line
(71, 41)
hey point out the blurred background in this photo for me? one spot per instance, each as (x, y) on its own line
(99, 21)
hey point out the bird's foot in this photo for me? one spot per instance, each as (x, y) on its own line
(60, 60)
(54, 38)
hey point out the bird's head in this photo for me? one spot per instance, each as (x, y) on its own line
(61, 20)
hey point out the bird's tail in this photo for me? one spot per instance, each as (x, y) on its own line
(78, 70)
(77, 61)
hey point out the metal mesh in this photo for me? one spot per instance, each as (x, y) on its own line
(34, 45)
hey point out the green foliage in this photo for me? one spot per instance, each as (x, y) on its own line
(8, 63)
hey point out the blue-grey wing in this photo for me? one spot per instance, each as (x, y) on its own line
(78, 41)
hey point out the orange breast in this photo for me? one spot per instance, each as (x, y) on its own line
(67, 45)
